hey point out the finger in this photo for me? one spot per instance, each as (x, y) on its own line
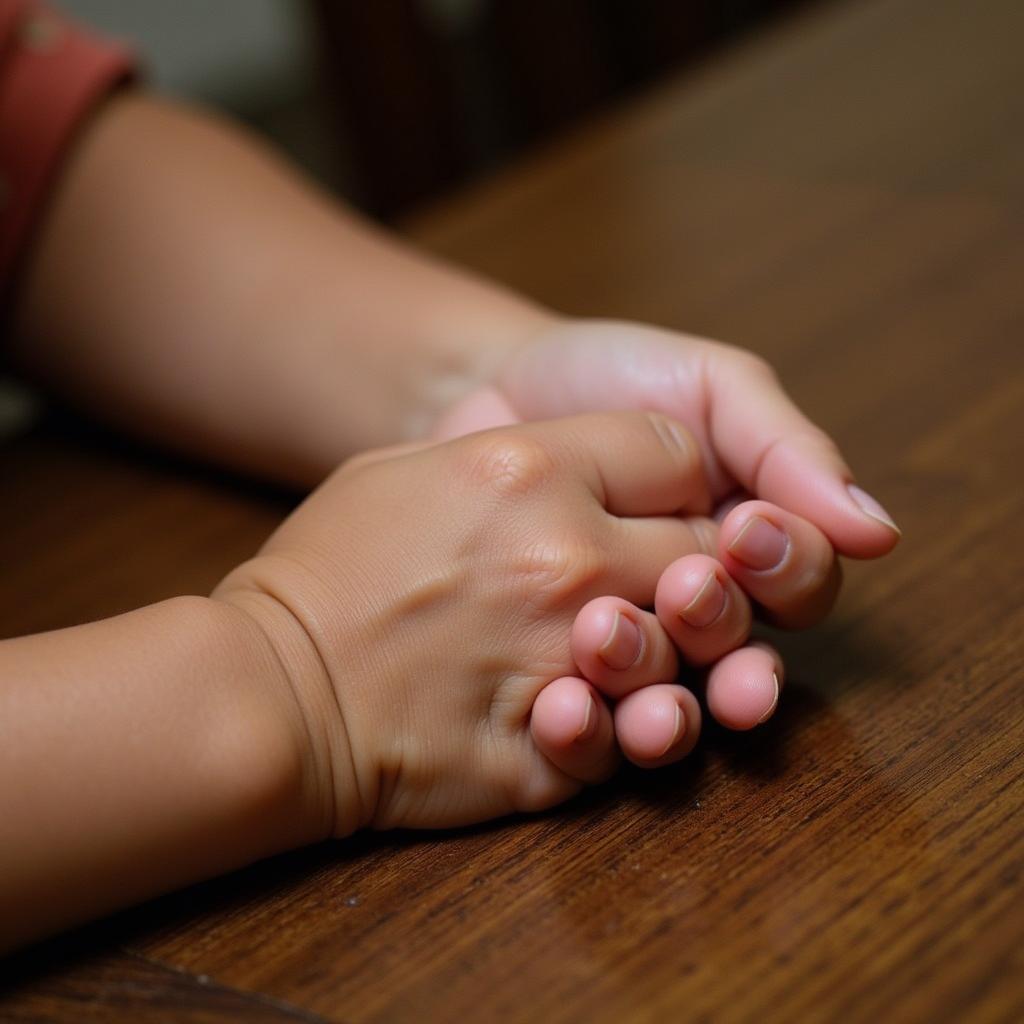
(572, 727)
(620, 648)
(635, 463)
(743, 687)
(782, 561)
(641, 548)
(764, 440)
(485, 408)
(702, 608)
(728, 503)
(657, 725)
(778, 454)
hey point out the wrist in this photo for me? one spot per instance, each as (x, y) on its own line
(469, 347)
(376, 354)
(328, 799)
(173, 758)
(262, 749)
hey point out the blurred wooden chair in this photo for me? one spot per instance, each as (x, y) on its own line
(428, 93)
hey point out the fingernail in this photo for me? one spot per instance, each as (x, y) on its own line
(872, 508)
(589, 723)
(774, 704)
(677, 732)
(759, 545)
(706, 605)
(622, 648)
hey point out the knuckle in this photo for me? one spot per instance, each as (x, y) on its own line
(752, 363)
(680, 444)
(554, 574)
(828, 445)
(507, 464)
(809, 441)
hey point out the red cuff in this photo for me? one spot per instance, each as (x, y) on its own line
(52, 73)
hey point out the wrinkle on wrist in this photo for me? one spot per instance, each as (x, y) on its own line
(336, 805)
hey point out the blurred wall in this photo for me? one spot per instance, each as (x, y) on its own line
(242, 54)
(258, 59)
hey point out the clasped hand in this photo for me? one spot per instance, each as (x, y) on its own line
(487, 624)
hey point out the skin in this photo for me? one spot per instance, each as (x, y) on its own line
(754, 441)
(376, 664)
(135, 761)
(234, 312)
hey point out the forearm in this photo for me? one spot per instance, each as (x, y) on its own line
(139, 754)
(190, 285)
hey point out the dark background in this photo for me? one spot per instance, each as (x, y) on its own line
(427, 101)
(395, 102)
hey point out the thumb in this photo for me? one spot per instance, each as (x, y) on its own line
(482, 409)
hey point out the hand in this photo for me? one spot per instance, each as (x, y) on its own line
(423, 597)
(755, 442)
(622, 649)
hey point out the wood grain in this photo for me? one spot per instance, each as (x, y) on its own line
(845, 196)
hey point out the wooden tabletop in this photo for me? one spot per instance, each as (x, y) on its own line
(846, 196)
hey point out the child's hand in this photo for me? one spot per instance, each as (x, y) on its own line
(423, 597)
(755, 442)
(702, 610)
(630, 656)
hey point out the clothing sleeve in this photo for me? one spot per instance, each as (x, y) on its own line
(53, 74)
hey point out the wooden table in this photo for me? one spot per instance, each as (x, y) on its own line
(847, 197)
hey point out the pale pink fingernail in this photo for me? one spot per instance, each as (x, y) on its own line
(589, 723)
(760, 545)
(774, 704)
(706, 605)
(677, 731)
(621, 649)
(870, 507)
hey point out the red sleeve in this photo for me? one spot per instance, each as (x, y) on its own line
(52, 74)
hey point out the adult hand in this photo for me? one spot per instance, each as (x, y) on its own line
(756, 444)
